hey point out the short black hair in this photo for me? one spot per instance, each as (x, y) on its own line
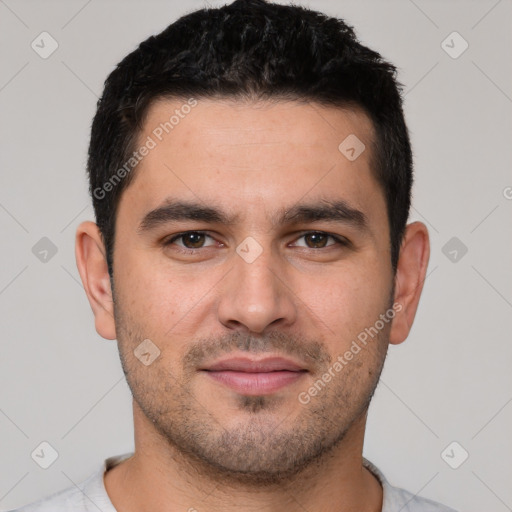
(251, 49)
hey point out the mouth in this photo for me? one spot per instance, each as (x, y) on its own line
(255, 377)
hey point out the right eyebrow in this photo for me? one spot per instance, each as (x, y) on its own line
(183, 210)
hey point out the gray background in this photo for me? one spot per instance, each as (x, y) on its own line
(451, 380)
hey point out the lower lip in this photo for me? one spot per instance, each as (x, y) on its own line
(256, 383)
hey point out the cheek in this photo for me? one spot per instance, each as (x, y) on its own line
(165, 301)
(347, 302)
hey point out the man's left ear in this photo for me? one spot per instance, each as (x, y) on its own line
(409, 279)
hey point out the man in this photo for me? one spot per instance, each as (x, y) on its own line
(251, 172)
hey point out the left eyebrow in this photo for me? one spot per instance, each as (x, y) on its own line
(333, 211)
(338, 211)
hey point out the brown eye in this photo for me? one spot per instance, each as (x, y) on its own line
(190, 240)
(319, 240)
(193, 240)
(316, 240)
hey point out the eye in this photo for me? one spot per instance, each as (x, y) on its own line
(190, 240)
(319, 239)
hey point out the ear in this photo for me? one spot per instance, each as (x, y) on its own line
(409, 279)
(92, 265)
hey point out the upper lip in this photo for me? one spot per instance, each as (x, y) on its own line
(245, 364)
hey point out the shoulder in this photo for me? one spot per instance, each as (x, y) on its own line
(400, 499)
(88, 496)
(63, 501)
(397, 499)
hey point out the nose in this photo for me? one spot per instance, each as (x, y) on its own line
(256, 295)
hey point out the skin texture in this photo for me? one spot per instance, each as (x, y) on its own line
(198, 443)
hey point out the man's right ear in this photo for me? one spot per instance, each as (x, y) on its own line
(92, 265)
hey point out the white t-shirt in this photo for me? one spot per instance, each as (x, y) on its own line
(91, 496)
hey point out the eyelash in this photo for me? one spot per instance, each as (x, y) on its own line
(170, 241)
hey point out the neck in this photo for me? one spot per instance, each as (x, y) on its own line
(158, 478)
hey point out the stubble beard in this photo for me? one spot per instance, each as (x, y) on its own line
(263, 448)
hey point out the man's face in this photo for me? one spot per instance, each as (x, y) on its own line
(277, 281)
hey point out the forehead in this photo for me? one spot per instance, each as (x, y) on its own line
(225, 123)
(254, 156)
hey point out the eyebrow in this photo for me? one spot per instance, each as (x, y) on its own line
(173, 210)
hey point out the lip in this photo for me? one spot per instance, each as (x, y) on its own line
(264, 365)
(255, 377)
